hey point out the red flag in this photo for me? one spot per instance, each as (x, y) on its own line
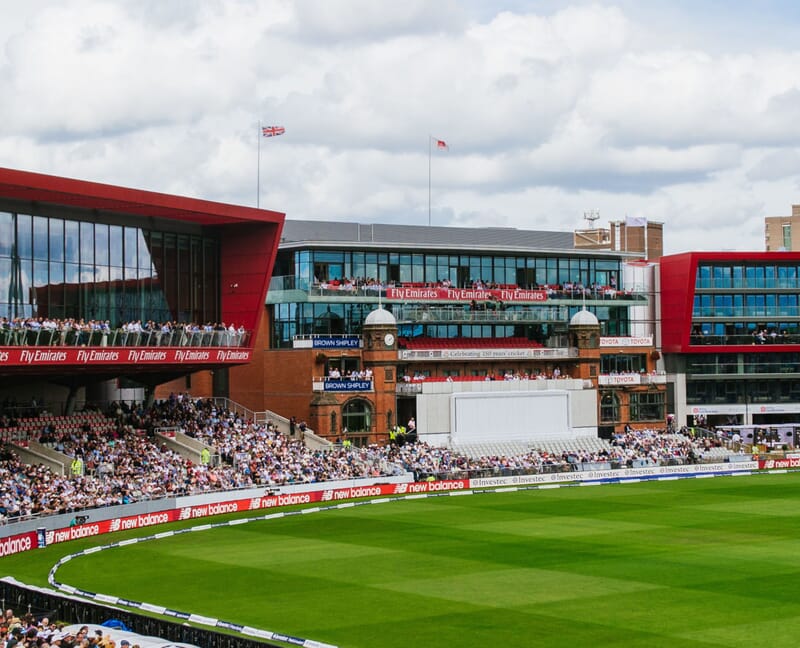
(272, 131)
(441, 144)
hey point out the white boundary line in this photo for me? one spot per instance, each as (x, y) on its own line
(311, 643)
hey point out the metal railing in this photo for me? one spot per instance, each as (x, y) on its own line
(290, 283)
(122, 338)
(466, 314)
(748, 283)
(747, 339)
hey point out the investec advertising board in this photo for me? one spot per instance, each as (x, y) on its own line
(134, 356)
(199, 508)
(625, 473)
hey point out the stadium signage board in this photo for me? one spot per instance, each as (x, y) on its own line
(340, 342)
(643, 341)
(52, 357)
(466, 294)
(345, 385)
(97, 525)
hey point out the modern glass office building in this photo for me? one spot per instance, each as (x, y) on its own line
(442, 282)
(100, 282)
(115, 270)
(731, 335)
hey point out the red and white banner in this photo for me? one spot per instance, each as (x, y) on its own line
(49, 356)
(27, 541)
(777, 464)
(466, 294)
(18, 543)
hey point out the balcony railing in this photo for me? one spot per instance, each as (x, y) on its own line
(749, 283)
(410, 386)
(751, 312)
(182, 337)
(488, 353)
(747, 339)
(414, 314)
(289, 287)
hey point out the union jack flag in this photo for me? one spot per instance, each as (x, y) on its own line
(272, 131)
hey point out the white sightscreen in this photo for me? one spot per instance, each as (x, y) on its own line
(478, 417)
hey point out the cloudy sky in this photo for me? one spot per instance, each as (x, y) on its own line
(684, 112)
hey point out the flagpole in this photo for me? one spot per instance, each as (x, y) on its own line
(258, 169)
(430, 139)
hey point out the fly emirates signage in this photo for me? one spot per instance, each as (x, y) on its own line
(466, 294)
(53, 356)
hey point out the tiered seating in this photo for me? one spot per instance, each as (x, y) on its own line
(717, 454)
(494, 449)
(577, 445)
(31, 427)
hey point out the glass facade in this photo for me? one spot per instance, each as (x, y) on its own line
(648, 406)
(749, 276)
(310, 266)
(63, 268)
(609, 407)
(298, 271)
(746, 303)
(730, 378)
(623, 363)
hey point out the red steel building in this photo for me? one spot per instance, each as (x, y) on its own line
(103, 285)
(730, 334)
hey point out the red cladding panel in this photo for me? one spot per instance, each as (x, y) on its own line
(677, 297)
(678, 275)
(249, 237)
(27, 186)
(248, 256)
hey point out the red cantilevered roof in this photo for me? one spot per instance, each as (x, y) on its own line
(40, 188)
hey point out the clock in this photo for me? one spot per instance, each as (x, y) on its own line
(388, 339)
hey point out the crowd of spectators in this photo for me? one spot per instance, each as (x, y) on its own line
(565, 290)
(555, 374)
(354, 374)
(26, 631)
(126, 461)
(46, 331)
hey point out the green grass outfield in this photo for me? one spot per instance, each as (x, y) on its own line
(695, 562)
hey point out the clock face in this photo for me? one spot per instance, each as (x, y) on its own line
(388, 339)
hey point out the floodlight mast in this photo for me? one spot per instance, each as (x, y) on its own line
(591, 215)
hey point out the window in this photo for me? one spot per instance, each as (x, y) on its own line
(623, 363)
(357, 416)
(6, 233)
(609, 407)
(647, 406)
(703, 279)
(722, 277)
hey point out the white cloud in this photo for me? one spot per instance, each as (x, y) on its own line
(546, 114)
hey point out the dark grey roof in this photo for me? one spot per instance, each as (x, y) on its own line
(323, 233)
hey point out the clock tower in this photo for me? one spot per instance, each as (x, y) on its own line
(380, 355)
